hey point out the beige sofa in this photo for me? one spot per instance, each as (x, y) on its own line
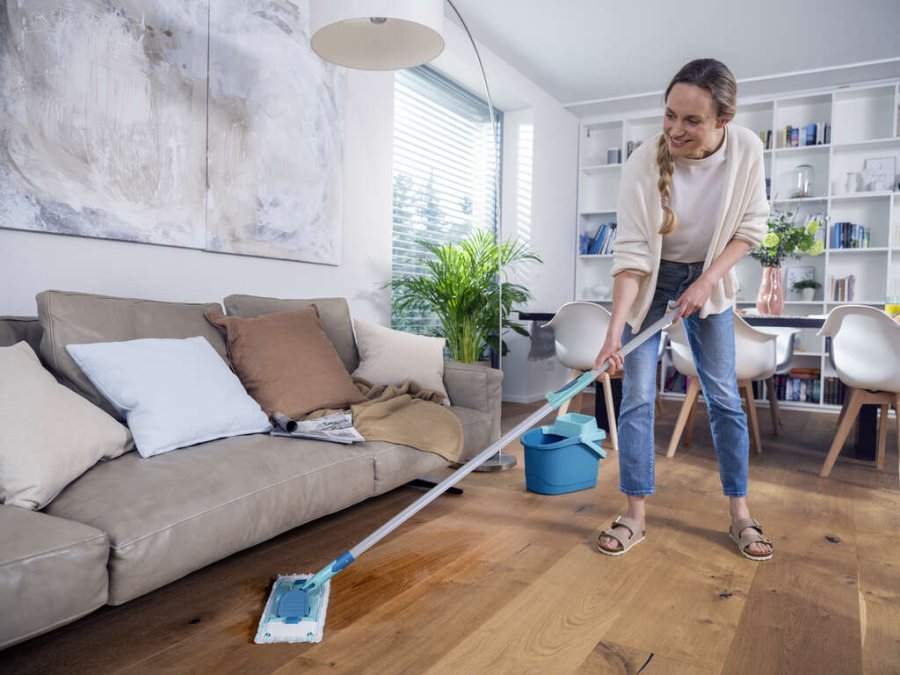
(131, 525)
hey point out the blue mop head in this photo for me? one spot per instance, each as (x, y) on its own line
(293, 613)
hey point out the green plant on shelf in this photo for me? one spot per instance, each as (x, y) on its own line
(787, 239)
(806, 283)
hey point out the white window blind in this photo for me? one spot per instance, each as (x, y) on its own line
(444, 172)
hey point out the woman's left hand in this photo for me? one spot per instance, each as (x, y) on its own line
(694, 297)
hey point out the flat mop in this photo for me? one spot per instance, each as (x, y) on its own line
(295, 610)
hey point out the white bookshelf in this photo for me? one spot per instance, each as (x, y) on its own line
(864, 122)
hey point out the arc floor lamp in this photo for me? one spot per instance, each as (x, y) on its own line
(389, 35)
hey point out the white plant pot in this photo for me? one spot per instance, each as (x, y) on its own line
(807, 294)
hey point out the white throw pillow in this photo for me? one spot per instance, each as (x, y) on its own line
(388, 356)
(49, 435)
(172, 393)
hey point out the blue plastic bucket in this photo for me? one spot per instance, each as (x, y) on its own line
(563, 457)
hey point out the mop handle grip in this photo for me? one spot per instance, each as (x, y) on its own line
(568, 391)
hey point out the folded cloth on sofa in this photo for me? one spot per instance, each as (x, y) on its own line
(406, 414)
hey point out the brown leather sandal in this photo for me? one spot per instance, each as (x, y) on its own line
(625, 531)
(747, 531)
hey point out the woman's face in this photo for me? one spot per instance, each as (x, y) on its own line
(690, 124)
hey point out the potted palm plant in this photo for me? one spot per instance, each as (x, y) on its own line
(462, 288)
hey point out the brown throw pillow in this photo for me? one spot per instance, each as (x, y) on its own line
(286, 362)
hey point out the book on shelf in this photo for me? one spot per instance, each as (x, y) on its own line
(843, 289)
(602, 242)
(334, 428)
(850, 235)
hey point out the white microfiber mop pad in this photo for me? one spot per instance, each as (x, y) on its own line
(273, 628)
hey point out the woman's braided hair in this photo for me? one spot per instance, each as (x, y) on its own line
(714, 77)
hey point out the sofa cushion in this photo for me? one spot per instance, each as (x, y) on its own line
(477, 430)
(76, 318)
(15, 329)
(397, 464)
(52, 571)
(174, 393)
(334, 313)
(49, 435)
(287, 363)
(171, 514)
(388, 356)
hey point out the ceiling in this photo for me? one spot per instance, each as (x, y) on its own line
(585, 50)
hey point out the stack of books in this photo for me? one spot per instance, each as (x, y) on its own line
(833, 393)
(850, 235)
(814, 133)
(602, 241)
(843, 289)
(799, 384)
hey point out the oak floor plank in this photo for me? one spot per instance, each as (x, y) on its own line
(879, 599)
(608, 658)
(799, 618)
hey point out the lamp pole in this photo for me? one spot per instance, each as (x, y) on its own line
(501, 461)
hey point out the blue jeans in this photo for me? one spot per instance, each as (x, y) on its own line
(712, 346)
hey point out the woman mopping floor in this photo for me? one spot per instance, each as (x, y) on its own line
(692, 203)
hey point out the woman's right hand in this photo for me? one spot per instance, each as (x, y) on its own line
(611, 353)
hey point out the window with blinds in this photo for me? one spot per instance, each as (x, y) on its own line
(444, 173)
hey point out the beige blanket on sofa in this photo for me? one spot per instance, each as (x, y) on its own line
(407, 415)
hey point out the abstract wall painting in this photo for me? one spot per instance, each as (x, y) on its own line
(275, 135)
(101, 119)
(178, 122)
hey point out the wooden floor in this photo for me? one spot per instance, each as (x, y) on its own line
(501, 580)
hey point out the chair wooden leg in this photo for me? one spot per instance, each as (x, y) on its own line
(853, 403)
(897, 420)
(843, 410)
(564, 408)
(882, 434)
(690, 399)
(611, 432)
(773, 405)
(688, 434)
(746, 386)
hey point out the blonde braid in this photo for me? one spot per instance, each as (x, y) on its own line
(666, 168)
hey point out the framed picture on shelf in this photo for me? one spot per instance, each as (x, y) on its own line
(878, 173)
(797, 273)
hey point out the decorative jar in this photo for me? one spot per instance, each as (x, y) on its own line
(803, 181)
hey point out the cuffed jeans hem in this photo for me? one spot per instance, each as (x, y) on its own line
(637, 493)
(734, 493)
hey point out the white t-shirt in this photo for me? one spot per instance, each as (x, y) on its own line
(697, 189)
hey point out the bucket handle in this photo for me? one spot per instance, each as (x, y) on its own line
(586, 440)
(596, 449)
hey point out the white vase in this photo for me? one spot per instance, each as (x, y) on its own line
(807, 294)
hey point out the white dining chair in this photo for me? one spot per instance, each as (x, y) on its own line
(865, 353)
(755, 359)
(579, 329)
(785, 340)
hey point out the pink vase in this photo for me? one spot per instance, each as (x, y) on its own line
(771, 292)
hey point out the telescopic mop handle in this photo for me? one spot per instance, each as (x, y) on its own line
(555, 399)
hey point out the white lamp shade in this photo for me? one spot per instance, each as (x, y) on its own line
(351, 32)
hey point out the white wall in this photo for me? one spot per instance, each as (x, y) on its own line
(31, 262)
(539, 204)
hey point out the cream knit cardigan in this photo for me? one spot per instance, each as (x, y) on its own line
(742, 215)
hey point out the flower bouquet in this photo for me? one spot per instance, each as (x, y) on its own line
(784, 239)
